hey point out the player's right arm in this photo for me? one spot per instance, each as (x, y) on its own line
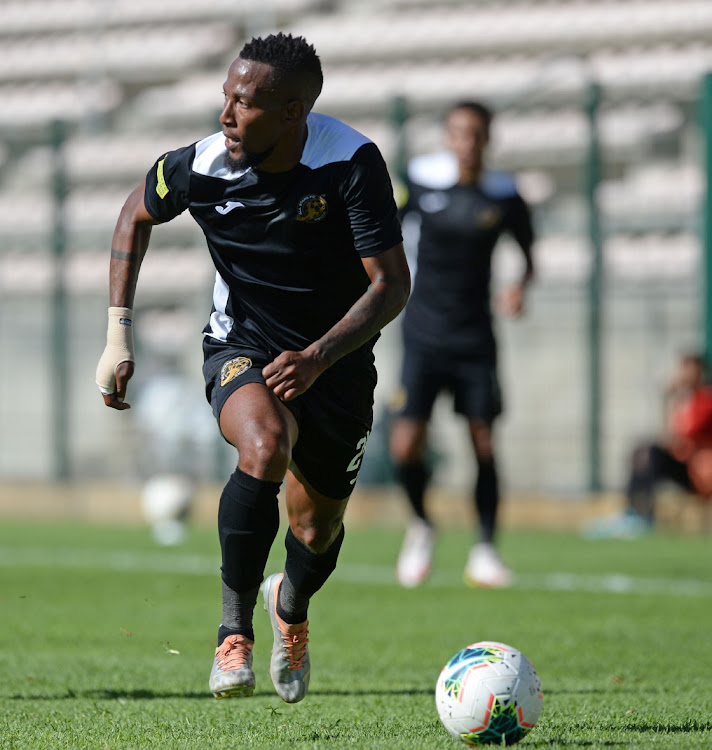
(162, 196)
(128, 247)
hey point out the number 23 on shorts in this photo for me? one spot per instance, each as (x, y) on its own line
(355, 462)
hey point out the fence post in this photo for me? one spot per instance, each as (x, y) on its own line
(706, 99)
(595, 289)
(59, 329)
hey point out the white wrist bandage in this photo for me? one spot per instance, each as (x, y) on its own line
(119, 348)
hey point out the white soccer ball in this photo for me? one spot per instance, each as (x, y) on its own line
(166, 500)
(488, 693)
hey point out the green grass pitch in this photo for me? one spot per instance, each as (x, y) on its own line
(106, 641)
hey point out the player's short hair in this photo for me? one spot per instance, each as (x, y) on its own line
(289, 56)
(477, 107)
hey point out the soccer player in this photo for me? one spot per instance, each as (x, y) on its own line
(299, 217)
(449, 343)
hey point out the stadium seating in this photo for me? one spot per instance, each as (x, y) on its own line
(475, 29)
(150, 73)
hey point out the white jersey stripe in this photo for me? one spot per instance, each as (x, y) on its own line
(220, 322)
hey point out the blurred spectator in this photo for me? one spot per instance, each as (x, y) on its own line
(684, 452)
(681, 455)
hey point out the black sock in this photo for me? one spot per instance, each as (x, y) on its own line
(414, 478)
(248, 521)
(487, 499)
(305, 572)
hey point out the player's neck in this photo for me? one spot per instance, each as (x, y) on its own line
(469, 175)
(287, 153)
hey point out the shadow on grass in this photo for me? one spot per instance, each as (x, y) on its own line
(641, 728)
(580, 743)
(143, 694)
(662, 728)
(613, 690)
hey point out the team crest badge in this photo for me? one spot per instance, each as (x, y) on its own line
(488, 218)
(233, 368)
(312, 208)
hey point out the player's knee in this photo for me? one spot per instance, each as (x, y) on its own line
(406, 446)
(266, 455)
(482, 441)
(402, 453)
(317, 536)
(484, 453)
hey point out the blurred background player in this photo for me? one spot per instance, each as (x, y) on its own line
(176, 443)
(449, 342)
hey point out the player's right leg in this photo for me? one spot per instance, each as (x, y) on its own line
(407, 449)
(263, 430)
(422, 377)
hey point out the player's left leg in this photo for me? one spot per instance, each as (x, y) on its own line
(487, 484)
(484, 566)
(478, 398)
(313, 542)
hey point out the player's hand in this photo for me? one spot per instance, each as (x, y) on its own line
(511, 301)
(292, 373)
(124, 373)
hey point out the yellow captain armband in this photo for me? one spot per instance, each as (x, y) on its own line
(162, 188)
(119, 348)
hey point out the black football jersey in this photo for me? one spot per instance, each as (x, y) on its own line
(287, 247)
(449, 307)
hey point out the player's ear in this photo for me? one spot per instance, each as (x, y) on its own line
(294, 110)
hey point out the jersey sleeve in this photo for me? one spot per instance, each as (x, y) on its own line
(519, 222)
(168, 184)
(370, 204)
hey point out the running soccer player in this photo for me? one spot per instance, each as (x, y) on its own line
(449, 343)
(299, 217)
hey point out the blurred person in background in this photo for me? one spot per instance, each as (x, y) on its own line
(176, 440)
(449, 341)
(299, 217)
(681, 455)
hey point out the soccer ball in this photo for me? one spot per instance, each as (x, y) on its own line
(166, 501)
(488, 693)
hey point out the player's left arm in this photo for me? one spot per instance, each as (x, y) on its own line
(292, 373)
(511, 300)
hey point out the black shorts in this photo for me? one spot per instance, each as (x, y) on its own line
(334, 416)
(472, 381)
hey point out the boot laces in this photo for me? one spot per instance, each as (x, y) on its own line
(233, 653)
(295, 646)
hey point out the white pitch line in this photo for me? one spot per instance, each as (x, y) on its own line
(178, 563)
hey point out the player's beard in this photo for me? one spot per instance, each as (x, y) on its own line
(246, 160)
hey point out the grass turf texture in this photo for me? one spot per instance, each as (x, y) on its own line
(102, 646)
